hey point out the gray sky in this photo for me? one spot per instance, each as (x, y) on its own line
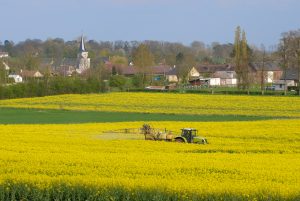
(168, 20)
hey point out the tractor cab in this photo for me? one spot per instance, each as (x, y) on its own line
(190, 135)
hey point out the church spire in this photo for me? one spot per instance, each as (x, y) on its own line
(82, 47)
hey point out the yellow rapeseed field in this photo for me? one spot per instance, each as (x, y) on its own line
(167, 103)
(244, 160)
(251, 160)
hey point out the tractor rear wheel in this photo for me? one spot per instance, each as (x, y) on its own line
(179, 140)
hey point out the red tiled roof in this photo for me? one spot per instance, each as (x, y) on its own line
(132, 70)
(163, 69)
(28, 73)
(129, 70)
(153, 69)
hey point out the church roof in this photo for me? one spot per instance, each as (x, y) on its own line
(82, 47)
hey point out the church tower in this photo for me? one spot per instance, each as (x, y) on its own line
(83, 62)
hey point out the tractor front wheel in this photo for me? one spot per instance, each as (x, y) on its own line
(179, 140)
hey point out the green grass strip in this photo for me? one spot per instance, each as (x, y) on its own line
(37, 116)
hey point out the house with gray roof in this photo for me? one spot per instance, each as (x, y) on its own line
(270, 71)
(171, 76)
(291, 76)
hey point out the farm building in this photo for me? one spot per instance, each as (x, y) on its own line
(205, 82)
(280, 85)
(269, 71)
(157, 72)
(31, 74)
(227, 78)
(292, 75)
(171, 76)
(17, 78)
(4, 54)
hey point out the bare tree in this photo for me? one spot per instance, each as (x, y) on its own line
(184, 63)
(283, 50)
(263, 75)
(143, 59)
(289, 49)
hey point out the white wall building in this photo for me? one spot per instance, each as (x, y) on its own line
(3, 54)
(280, 85)
(214, 81)
(17, 78)
(270, 77)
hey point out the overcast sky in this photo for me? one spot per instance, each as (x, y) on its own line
(168, 20)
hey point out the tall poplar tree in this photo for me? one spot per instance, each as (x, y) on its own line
(245, 63)
(241, 59)
(2, 72)
(237, 55)
(298, 62)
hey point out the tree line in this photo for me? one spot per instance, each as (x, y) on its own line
(29, 55)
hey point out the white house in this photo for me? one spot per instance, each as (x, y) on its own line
(171, 76)
(214, 81)
(3, 54)
(17, 78)
(227, 78)
(279, 85)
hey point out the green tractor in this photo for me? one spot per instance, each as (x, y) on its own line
(190, 135)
